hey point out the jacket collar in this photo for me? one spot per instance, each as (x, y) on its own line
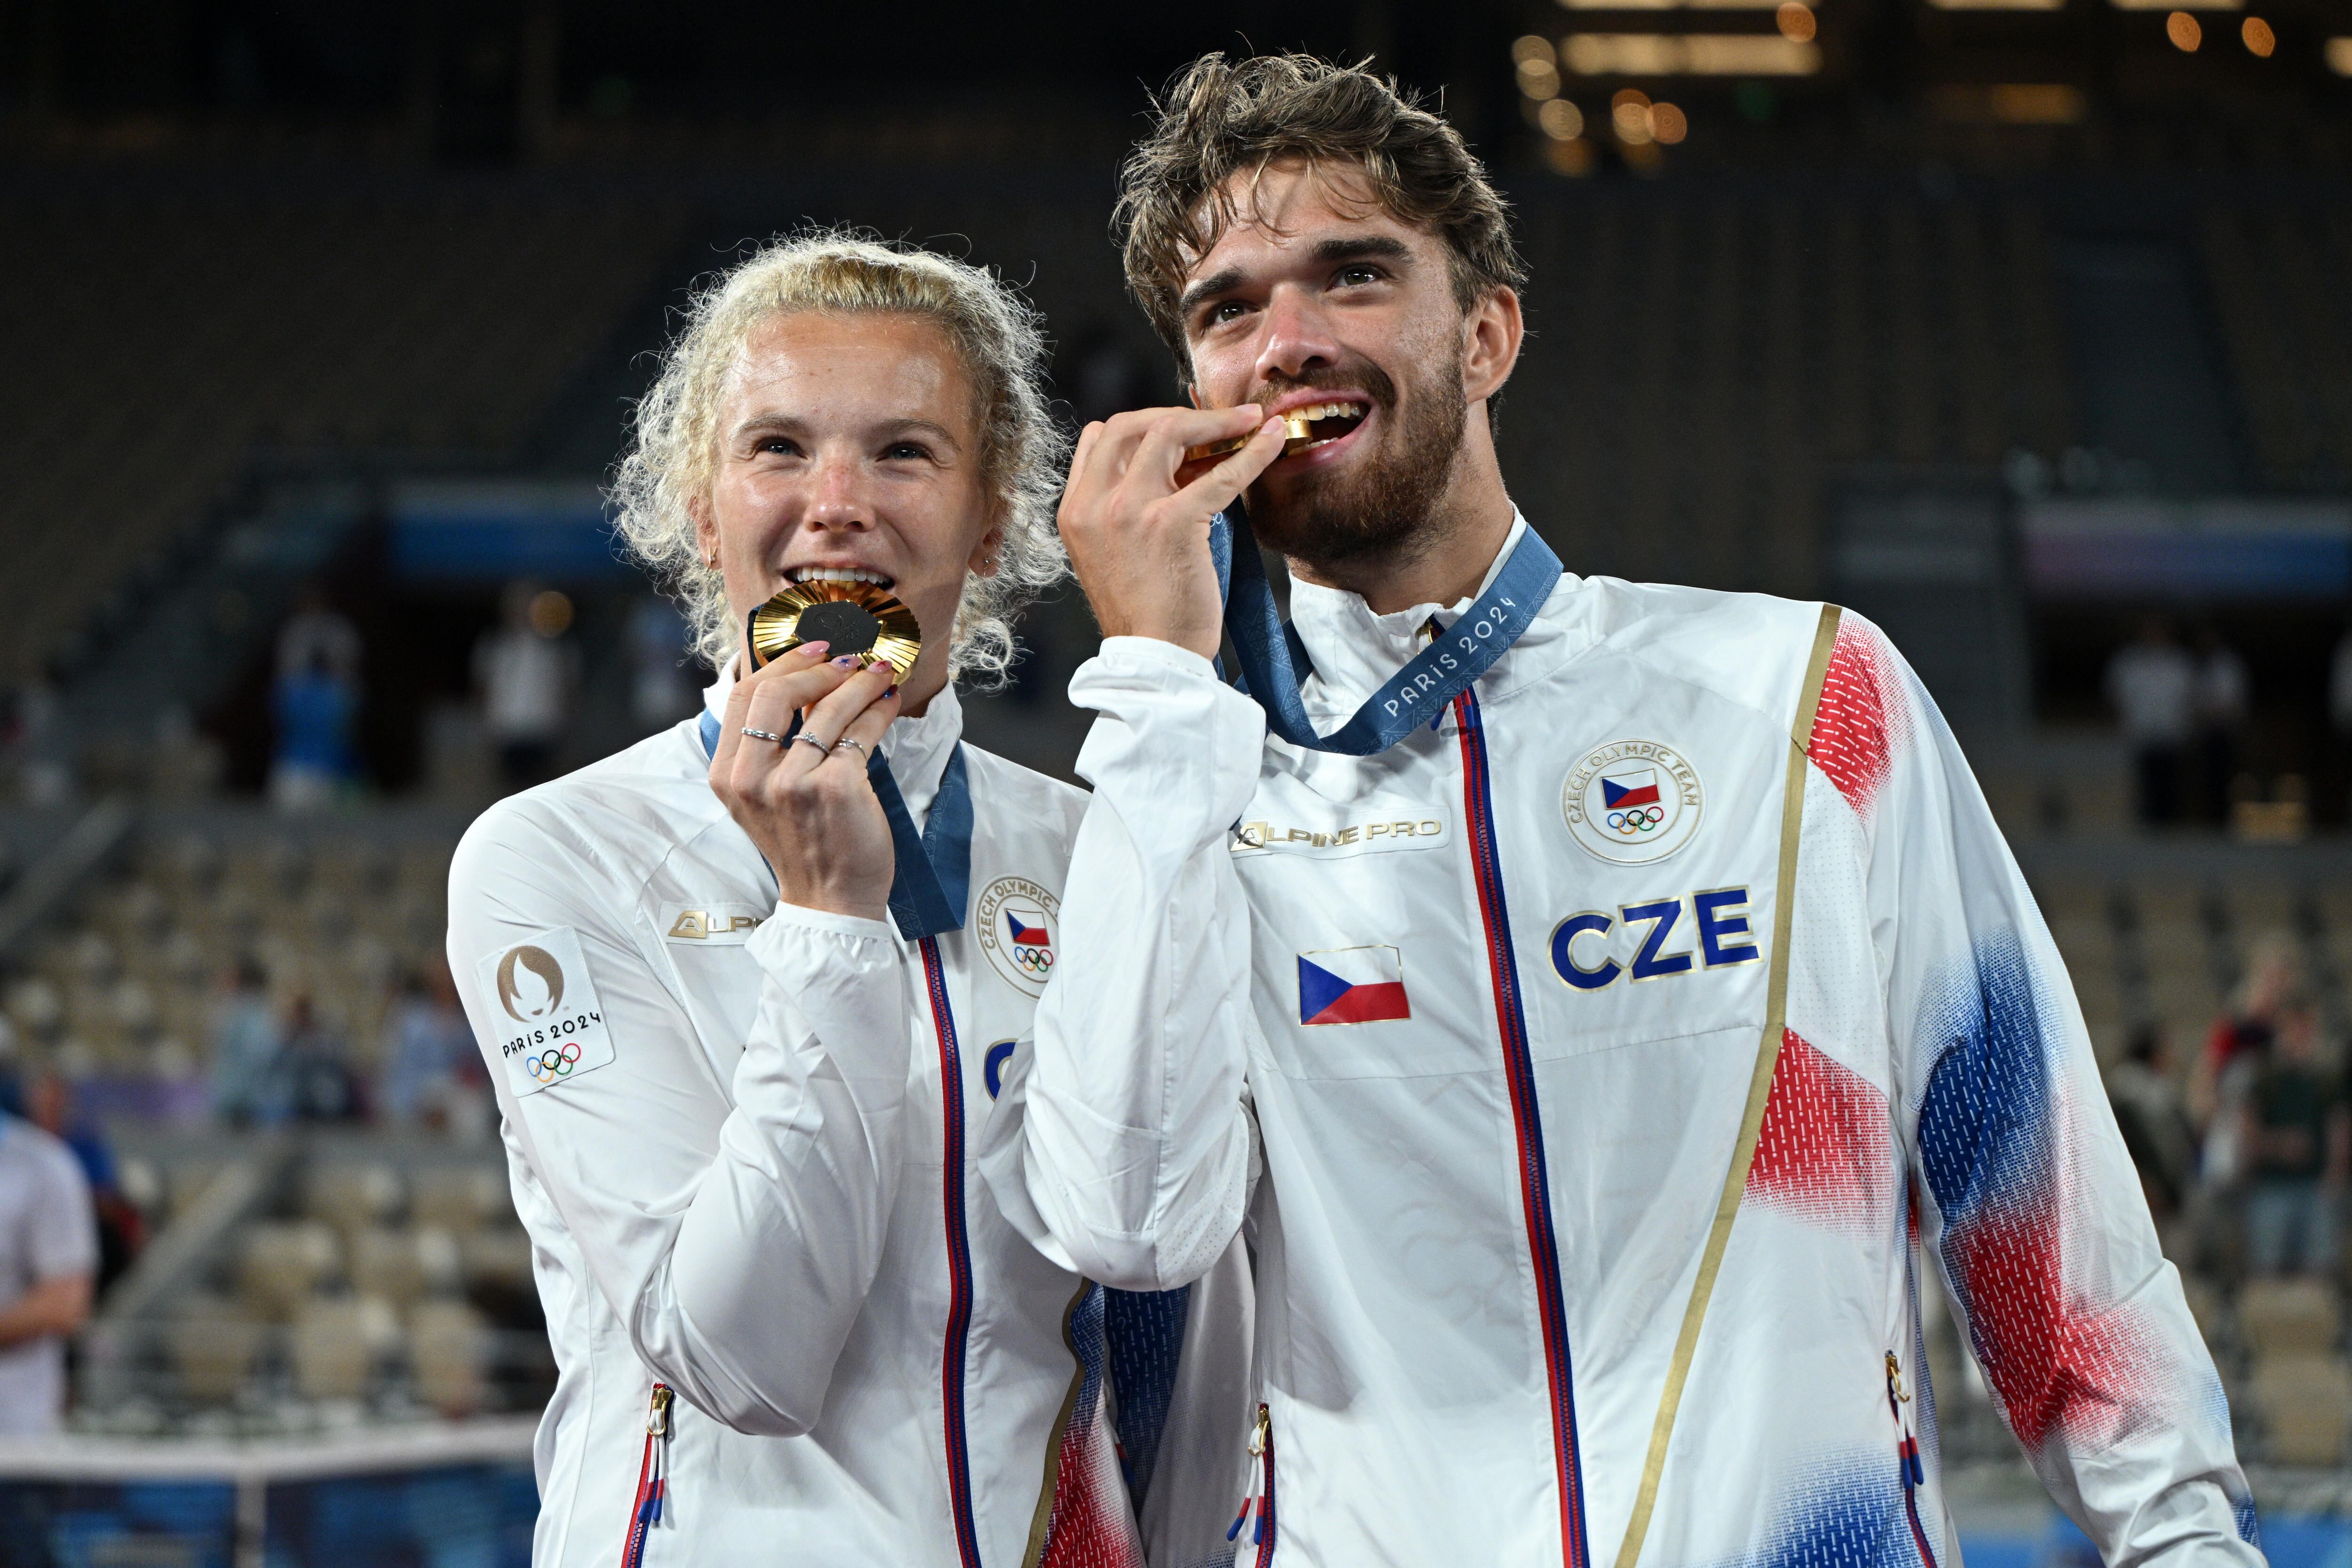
(917, 749)
(1355, 651)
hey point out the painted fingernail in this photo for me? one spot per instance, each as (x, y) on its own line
(892, 692)
(846, 661)
(879, 664)
(812, 649)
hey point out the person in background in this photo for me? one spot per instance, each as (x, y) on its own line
(316, 635)
(2222, 704)
(249, 1087)
(318, 1075)
(435, 1069)
(2298, 1146)
(526, 670)
(315, 710)
(2155, 1121)
(2235, 1048)
(660, 693)
(2152, 683)
(49, 1256)
(121, 1228)
(315, 702)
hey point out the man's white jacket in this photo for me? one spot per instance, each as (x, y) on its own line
(1605, 1070)
(743, 1137)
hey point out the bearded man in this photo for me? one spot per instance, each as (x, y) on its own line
(1604, 1007)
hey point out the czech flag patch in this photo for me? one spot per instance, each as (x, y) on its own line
(1635, 786)
(1351, 986)
(1026, 936)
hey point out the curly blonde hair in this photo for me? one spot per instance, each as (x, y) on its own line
(673, 457)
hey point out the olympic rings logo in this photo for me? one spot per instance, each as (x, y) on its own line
(1036, 960)
(549, 1065)
(1640, 819)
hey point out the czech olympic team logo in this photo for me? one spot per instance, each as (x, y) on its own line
(1015, 922)
(553, 1063)
(1632, 802)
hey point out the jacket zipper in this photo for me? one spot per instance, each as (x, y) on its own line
(1259, 1498)
(1908, 1465)
(653, 1478)
(959, 1249)
(1535, 1189)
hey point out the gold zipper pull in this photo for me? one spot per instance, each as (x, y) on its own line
(1259, 1433)
(657, 1414)
(1894, 1378)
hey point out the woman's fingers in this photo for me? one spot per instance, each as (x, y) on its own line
(864, 733)
(829, 718)
(775, 705)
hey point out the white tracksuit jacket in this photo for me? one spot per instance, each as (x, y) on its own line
(1617, 1066)
(729, 1140)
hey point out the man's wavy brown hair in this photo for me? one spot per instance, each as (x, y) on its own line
(1220, 118)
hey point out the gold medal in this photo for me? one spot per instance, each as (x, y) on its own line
(854, 617)
(1295, 437)
(1302, 429)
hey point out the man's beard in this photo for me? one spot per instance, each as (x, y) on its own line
(1383, 511)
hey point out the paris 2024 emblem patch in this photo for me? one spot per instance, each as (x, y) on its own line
(1632, 802)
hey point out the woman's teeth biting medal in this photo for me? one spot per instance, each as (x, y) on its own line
(854, 617)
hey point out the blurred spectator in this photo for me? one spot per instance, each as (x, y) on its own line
(317, 635)
(2155, 1121)
(2298, 1142)
(48, 1249)
(2153, 684)
(250, 1086)
(435, 1078)
(121, 1228)
(660, 690)
(2234, 1050)
(315, 709)
(319, 1076)
(2221, 705)
(315, 702)
(525, 670)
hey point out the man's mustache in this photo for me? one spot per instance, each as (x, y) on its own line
(1368, 378)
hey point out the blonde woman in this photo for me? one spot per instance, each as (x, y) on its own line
(747, 989)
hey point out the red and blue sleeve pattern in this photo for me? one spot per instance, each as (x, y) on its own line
(2029, 1205)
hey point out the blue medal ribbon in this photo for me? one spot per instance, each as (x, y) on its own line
(930, 885)
(1273, 660)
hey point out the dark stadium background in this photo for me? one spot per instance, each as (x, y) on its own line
(2014, 326)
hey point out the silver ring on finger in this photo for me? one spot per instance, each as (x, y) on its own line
(855, 747)
(806, 739)
(765, 735)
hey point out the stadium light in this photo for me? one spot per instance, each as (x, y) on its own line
(2340, 55)
(1689, 53)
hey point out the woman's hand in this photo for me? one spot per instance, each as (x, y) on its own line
(806, 803)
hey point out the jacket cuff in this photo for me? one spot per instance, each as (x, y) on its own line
(825, 920)
(1140, 655)
(1173, 746)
